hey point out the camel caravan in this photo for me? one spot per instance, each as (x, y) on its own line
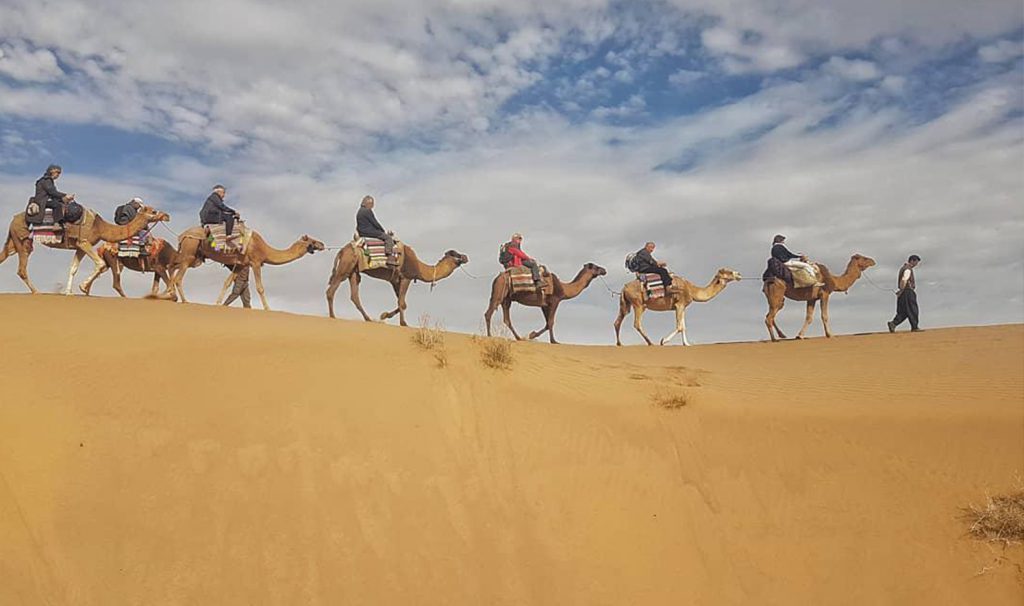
(55, 220)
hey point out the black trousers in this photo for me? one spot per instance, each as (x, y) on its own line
(906, 308)
(58, 209)
(240, 289)
(666, 278)
(229, 223)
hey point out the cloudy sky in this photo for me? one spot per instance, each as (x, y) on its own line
(591, 126)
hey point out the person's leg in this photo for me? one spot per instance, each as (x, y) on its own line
(666, 278)
(246, 298)
(534, 269)
(912, 309)
(229, 224)
(389, 244)
(230, 299)
(58, 211)
(901, 309)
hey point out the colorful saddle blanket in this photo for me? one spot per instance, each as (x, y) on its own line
(135, 246)
(652, 286)
(48, 231)
(217, 238)
(372, 253)
(521, 280)
(130, 248)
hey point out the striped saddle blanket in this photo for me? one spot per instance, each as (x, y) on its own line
(374, 256)
(47, 232)
(521, 280)
(217, 238)
(652, 285)
(134, 246)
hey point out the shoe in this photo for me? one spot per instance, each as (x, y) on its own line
(916, 330)
(892, 327)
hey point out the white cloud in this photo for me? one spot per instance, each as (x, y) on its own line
(857, 70)
(684, 77)
(1001, 51)
(19, 62)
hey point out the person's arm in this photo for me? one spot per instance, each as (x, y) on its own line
(784, 254)
(224, 208)
(51, 190)
(373, 220)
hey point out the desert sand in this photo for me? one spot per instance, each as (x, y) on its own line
(153, 453)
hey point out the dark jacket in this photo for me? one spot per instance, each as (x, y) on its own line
(47, 193)
(125, 213)
(367, 225)
(644, 261)
(780, 252)
(214, 210)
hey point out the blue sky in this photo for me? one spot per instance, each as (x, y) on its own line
(590, 126)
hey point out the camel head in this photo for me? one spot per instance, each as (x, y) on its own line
(594, 269)
(861, 261)
(312, 244)
(727, 275)
(153, 215)
(459, 258)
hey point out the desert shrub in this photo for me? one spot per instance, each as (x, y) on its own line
(1000, 518)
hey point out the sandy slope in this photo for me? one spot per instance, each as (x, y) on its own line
(200, 455)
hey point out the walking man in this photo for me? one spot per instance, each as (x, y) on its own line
(240, 288)
(906, 296)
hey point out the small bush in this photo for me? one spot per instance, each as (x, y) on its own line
(1000, 519)
(427, 336)
(430, 337)
(496, 352)
(671, 401)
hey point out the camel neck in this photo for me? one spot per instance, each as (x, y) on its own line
(580, 283)
(415, 269)
(277, 256)
(111, 232)
(844, 282)
(706, 293)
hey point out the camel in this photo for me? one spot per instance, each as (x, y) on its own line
(677, 297)
(92, 230)
(346, 267)
(777, 291)
(501, 295)
(161, 265)
(193, 250)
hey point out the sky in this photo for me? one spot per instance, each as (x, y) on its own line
(590, 126)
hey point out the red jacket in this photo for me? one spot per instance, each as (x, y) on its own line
(518, 256)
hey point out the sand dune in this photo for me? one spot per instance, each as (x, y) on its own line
(202, 455)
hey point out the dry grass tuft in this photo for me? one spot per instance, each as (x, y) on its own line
(1000, 519)
(430, 337)
(496, 352)
(671, 401)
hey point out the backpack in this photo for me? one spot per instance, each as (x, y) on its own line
(73, 212)
(631, 262)
(504, 257)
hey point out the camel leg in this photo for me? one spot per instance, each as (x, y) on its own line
(353, 281)
(115, 270)
(807, 318)
(638, 312)
(86, 287)
(76, 261)
(178, 281)
(536, 333)
(551, 322)
(623, 312)
(101, 266)
(224, 289)
(161, 272)
(257, 273)
(401, 288)
(24, 251)
(775, 305)
(487, 315)
(332, 287)
(8, 249)
(824, 316)
(506, 312)
(680, 326)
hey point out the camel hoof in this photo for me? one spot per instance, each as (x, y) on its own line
(85, 291)
(533, 336)
(384, 316)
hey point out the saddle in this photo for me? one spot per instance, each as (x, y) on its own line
(803, 278)
(652, 286)
(370, 253)
(135, 246)
(217, 238)
(521, 280)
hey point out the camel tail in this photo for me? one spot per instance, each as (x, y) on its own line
(8, 248)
